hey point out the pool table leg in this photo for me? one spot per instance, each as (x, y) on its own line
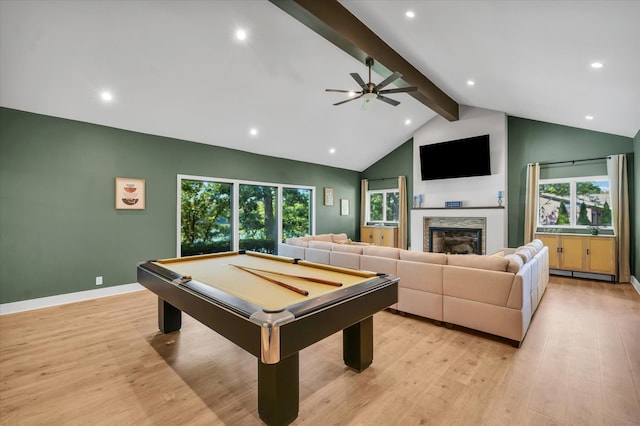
(357, 344)
(278, 390)
(169, 317)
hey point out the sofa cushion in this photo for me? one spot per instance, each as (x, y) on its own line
(296, 241)
(347, 248)
(515, 263)
(420, 276)
(344, 260)
(379, 251)
(534, 248)
(491, 263)
(322, 245)
(379, 264)
(317, 255)
(322, 237)
(526, 253)
(338, 238)
(538, 243)
(424, 257)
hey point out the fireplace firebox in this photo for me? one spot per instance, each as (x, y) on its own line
(455, 240)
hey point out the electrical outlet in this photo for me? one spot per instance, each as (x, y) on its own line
(98, 280)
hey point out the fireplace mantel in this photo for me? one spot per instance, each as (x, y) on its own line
(496, 224)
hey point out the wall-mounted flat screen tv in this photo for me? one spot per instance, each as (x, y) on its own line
(457, 158)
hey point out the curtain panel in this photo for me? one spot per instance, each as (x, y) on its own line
(619, 194)
(531, 201)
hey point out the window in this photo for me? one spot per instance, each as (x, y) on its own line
(296, 208)
(382, 206)
(216, 215)
(574, 202)
(205, 218)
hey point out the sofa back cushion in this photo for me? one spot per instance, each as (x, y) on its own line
(420, 276)
(317, 255)
(344, 260)
(379, 251)
(322, 237)
(347, 248)
(424, 257)
(321, 245)
(491, 263)
(478, 285)
(515, 263)
(339, 238)
(379, 264)
(297, 241)
(526, 253)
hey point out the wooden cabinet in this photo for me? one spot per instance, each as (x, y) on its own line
(379, 235)
(581, 253)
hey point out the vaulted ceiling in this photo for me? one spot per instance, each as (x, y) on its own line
(176, 69)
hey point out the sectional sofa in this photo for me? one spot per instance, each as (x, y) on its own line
(496, 294)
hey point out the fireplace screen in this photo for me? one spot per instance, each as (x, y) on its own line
(455, 240)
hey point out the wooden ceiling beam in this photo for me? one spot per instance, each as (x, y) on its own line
(339, 26)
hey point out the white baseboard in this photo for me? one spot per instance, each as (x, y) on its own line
(62, 299)
(635, 283)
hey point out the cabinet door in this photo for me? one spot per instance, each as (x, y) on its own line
(572, 253)
(366, 234)
(553, 243)
(601, 255)
(388, 237)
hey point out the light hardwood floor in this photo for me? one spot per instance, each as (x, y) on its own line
(103, 362)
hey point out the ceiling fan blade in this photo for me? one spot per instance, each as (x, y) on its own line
(388, 100)
(348, 100)
(341, 91)
(399, 90)
(396, 75)
(359, 80)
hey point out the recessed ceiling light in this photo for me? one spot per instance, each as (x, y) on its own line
(588, 117)
(470, 82)
(332, 150)
(106, 96)
(410, 14)
(407, 122)
(241, 34)
(351, 94)
(253, 132)
(597, 65)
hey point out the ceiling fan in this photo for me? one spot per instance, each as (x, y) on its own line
(371, 91)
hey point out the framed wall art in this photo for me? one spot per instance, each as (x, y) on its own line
(344, 207)
(129, 194)
(328, 196)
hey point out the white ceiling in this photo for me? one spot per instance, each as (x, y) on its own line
(176, 70)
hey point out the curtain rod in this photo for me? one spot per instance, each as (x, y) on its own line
(373, 180)
(573, 161)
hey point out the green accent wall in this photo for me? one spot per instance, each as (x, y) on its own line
(531, 141)
(383, 174)
(59, 227)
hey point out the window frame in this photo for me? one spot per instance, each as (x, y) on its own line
(235, 210)
(384, 193)
(573, 201)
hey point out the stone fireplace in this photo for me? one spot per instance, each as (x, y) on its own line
(457, 235)
(455, 240)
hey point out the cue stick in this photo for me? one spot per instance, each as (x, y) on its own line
(302, 277)
(280, 283)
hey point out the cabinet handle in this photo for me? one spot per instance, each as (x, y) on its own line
(588, 251)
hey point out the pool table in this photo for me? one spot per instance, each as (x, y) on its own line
(257, 301)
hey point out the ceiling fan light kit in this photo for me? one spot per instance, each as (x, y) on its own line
(371, 91)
